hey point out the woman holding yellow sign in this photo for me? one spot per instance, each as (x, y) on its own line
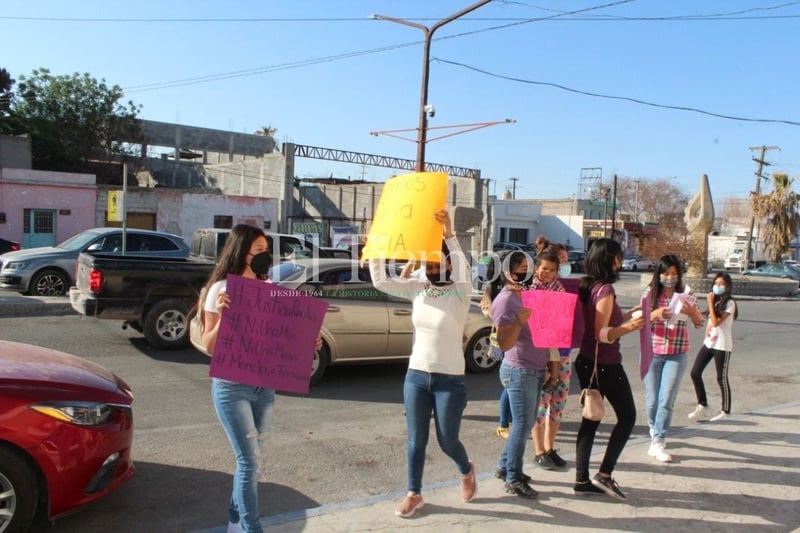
(434, 383)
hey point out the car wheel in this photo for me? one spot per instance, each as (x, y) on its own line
(19, 492)
(166, 324)
(633, 268)
(49, 283)
(477, 352)
(322, 358)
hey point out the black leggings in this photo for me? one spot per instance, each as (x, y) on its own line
(615, 387)
(722, 362)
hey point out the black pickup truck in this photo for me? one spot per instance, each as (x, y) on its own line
(153, 295)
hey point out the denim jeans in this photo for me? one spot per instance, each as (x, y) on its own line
(444, 396)
(524, 388)
(505, 409)
(661, 385)
(245, 412)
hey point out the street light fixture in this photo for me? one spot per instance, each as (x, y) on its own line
(424, 108)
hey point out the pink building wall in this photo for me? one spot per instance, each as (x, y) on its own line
(72, 196)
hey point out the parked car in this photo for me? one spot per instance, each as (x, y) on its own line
(502, 246)
(776, 270)
(576, 259)
(365, 325)
(66, 429)
(338, 253)
(207, 243)
(8, 246)
(49, 271)
(637, 262)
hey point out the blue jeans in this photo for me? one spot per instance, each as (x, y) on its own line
(245, 412)
(444, 396)
(524, 388)
(505, 409)
(661, 385)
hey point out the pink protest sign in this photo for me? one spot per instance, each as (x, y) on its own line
(267, 336)
(552, 317)
(571, 285)
(645, 335)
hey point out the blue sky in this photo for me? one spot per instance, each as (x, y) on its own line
(325, 74)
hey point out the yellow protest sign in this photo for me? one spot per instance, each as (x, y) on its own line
(404, 227)
(115, 206)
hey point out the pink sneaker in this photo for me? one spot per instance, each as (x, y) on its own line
(409, 505)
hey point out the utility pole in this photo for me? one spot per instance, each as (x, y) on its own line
(424, 108)
(514, 187)
(614, 209)
(759, 176)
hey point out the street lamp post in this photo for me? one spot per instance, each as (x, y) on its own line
(423, 99)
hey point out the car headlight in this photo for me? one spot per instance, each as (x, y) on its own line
(16, 265)
(79, 413)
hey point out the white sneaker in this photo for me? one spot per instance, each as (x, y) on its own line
(657, 450)
(235, 527)
(695, 415)
(721, 416)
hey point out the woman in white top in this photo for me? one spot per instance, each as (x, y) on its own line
(245, 411)
(718, 345)
(434, 383)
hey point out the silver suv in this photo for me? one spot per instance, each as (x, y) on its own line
(49, 271)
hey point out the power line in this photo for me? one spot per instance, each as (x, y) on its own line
(562, 16)
(613, 97)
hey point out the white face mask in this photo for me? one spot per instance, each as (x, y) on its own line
(564, 270)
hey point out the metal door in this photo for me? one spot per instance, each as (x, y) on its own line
(39, 228)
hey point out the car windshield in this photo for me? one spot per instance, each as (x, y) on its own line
(285, 272)
(79, 241)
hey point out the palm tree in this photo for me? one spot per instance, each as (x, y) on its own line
(269, 131)
(779, 209)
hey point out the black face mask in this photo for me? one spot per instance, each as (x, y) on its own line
(261, 263)
(523, 280)
(436, 279)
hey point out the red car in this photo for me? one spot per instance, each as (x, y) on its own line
(66, 429)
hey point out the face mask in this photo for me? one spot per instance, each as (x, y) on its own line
(719, 291)
(436, 279)
(564, 270)
(261, 263)
(668, 282)
(523, 280)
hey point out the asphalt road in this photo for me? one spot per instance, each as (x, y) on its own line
(346, 439)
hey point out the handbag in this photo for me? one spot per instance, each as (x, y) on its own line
(196, 326)
(495, 353)
(592, 401)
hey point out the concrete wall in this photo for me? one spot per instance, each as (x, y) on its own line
(71, 196)
(182, 211)
(524, 214)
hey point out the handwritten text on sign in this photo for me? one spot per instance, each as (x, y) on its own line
(404, 227)
(267, 336)
(552, 317)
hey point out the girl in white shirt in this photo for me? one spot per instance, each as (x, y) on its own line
(434, 384)
(718, 345)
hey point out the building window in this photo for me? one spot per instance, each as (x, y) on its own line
(223, 221)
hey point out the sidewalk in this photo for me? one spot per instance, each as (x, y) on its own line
(740, 474)
(14, 304)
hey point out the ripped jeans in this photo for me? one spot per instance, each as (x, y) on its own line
(245, 412)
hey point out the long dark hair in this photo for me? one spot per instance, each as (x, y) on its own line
(666, 261)
(233, 257)
(599, 265)
(501, 264)
(721, 302)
